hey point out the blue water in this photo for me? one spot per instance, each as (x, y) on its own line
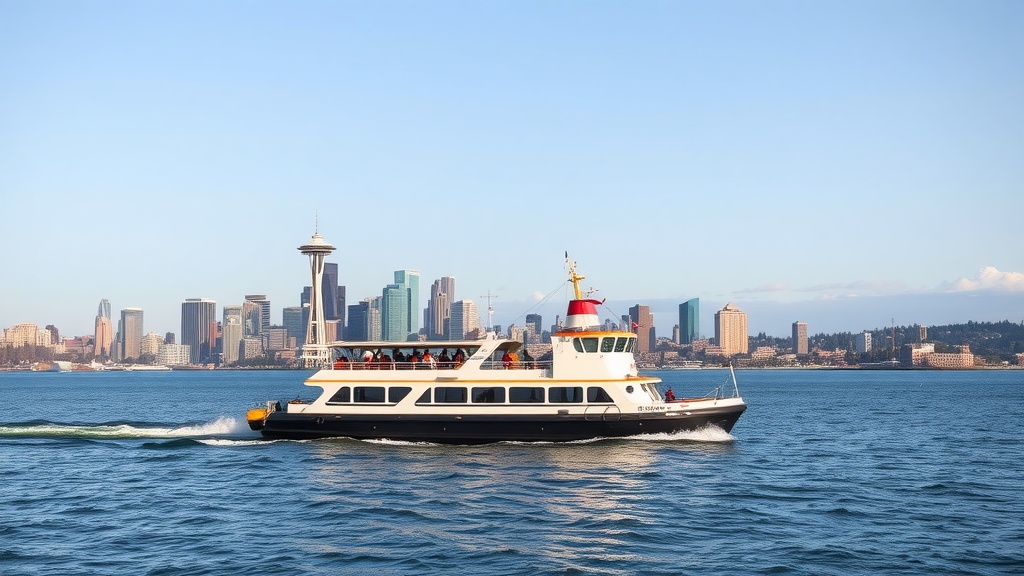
(828, 472)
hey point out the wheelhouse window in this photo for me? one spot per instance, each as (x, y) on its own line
(607, 343)
(398, 393)
(565, 394)
(630, 344)
(343, 395)
(590, 343)
(620, 344)
(577, 345)
(368, 394)
(489, 395)
(449, 394)
(525, 395)
(597, 395)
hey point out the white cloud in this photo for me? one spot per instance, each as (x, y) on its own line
(988, 278)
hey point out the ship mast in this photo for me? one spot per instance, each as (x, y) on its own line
(575, 278)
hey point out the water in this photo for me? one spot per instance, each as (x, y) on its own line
(828, 472)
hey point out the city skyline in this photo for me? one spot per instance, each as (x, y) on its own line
(878, 145)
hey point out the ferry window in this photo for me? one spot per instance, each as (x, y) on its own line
(577, 344)
(598, 395)
(607, 343)
(424, 398)
(590, 344)
(620, 344)
(519, 394)
(344, 394)
(565, 394)
(449, 394)
(398, 393)
(489, 395)
(629, 345)
(368, 394)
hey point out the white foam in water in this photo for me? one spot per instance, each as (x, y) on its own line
(220, 426)
(706, 434)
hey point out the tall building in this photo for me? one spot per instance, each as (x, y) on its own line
(534, 328)
(800, 337)
(400, 318)
(151, 344)
(922, 333)
(642, 322)
(315, 350)
(862, 342)
(357, 329)
(689, 321)
(232, 333)
(199, 329)
(330, 291)
(294, 321)
(374, 329)
(439, 308)
(261, 321)
(395, 313)
(341, 313)
(129, 331)
(731, 330)
(465, 318)
(103, 336)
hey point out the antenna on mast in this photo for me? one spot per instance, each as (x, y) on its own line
(490, 310)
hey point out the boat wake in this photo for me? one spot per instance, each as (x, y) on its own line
(222, 426)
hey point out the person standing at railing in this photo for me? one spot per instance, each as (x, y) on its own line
(506, 360)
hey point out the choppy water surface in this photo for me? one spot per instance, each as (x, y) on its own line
(826, 473)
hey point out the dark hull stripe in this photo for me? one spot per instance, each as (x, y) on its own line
(485, 429)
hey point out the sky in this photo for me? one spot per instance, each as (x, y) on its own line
(849, 164)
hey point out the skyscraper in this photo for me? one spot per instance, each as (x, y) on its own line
(199, 329)
(330, 291)
(731, 330)
(103, 337)
(689, 321)
(644, 327)
(439, 308)
(232, 333)
(410, 281)
(800, 337)
(465, 318)
(261, 322)
(358, 314)
(400, 307)
(394, 313)
(129, 331)
(292, 319)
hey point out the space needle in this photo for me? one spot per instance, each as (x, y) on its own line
(316, 351)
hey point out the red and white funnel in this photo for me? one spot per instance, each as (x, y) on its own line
(582, 312)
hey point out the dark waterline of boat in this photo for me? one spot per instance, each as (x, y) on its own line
(840, 472)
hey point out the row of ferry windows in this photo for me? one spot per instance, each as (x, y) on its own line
(608, 344)
(481, 395)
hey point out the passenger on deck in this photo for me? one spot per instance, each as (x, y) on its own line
(506, 360)
(444, 361)
(527, 358)
(428, 360)
(414, 359)
(669, 396)
(460, 358)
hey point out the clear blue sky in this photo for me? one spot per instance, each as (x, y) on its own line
(765, 153)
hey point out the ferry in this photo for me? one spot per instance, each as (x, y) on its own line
(483, 391)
